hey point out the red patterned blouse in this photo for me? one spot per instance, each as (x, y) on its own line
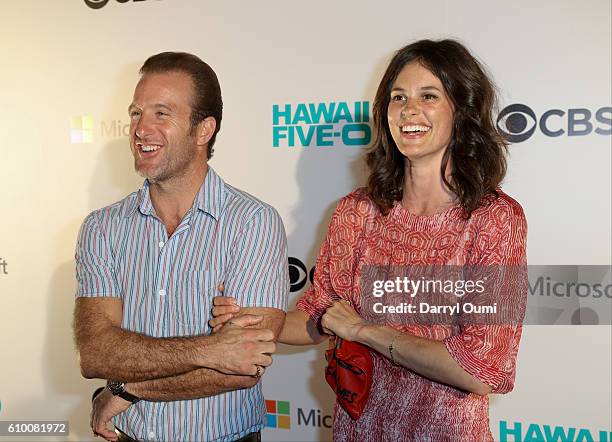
(404, 406)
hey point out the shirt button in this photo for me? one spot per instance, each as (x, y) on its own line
(161, 244)
(151, 436)
(162, 292)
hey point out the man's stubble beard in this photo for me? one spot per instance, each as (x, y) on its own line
(169, 169)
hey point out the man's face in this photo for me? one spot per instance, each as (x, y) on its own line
(160, 130)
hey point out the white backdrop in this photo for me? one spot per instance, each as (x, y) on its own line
(65, 63)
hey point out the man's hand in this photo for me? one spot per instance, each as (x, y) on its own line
(104, 407)
(242, 351)
(298, 328)
(225, 308)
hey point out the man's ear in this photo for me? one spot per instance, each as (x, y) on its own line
(205, 130)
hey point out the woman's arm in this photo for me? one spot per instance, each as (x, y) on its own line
(298, 328)
(337, 252)
(427, 357)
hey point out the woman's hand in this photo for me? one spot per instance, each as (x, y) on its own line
(224, 309)
(342, 320)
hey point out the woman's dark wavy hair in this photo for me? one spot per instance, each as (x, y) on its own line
(477, 151)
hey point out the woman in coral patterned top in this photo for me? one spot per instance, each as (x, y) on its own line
(432, 199)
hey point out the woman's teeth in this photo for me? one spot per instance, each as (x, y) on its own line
(415, 128)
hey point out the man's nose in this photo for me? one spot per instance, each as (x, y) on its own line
(143, 127)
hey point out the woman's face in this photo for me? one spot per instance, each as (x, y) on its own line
(420, 115)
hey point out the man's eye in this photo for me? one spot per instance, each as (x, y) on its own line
(161, 114)
(134, 114)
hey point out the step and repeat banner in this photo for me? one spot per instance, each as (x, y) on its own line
(298, 82)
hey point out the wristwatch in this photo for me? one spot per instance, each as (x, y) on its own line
(118, 389)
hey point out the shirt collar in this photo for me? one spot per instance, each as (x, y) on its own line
(211, 196)
(209, 199)
(143, 201)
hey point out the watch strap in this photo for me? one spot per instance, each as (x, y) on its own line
(118, 389)
(128, 397)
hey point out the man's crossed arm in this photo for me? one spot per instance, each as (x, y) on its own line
(109, 352)
(168, 369)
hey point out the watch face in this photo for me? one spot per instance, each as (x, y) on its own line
(115, 387)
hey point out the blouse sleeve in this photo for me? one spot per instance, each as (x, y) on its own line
(488, 350)
(337, 261)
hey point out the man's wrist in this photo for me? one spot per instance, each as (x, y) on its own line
(133, 389)
(118, 389)
(203, 352)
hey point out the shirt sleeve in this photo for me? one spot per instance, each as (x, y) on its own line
(258, 269)
(320, 295)
(95, 271)
(488, 351)
(336, 264)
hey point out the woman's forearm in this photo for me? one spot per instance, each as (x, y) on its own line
(299, 329)
(427, 357)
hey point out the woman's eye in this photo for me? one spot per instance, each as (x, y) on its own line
(429, 97)
(397, 98)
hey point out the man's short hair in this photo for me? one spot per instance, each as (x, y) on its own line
(207, 100)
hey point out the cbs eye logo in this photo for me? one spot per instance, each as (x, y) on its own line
(518, 122)
(299, 274)
(98, 4)
(512, 121)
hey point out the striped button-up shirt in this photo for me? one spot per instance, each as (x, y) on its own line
(167, 285)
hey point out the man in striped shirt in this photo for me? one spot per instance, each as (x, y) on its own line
(148, 267)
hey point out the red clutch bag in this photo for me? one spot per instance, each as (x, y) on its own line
(349, 373)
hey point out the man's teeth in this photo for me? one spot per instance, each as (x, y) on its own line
(149, 148)
(415, 128)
